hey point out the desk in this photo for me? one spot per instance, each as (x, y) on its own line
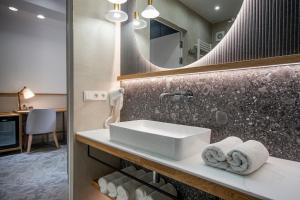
(58, 110)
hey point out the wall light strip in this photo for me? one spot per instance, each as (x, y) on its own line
(279, 60)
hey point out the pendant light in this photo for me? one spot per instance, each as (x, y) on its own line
(116, 15)
(117, 1)
(137, 22)
(150, 11)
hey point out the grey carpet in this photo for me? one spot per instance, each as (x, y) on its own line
(40, 175)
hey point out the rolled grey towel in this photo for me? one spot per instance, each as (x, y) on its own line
(126, 191)
(159, 196)
(103, 181)
(113, 185)
(247, 157)
(143, 191)
(215, 154)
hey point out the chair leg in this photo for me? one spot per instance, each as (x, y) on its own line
(29, 143)
(55, 139)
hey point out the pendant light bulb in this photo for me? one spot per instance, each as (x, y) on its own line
(150, 11)
(117, 1)
(137, 22)
(116, 15)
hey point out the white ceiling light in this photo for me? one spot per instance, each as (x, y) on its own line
(217, 8)
(137, 22)
(41, 16)
(116, 15)
(150, 11)
(13, 8)
(117, 1)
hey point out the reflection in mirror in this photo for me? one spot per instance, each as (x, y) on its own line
(185, 31)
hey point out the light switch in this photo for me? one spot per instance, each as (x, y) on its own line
(94, 95)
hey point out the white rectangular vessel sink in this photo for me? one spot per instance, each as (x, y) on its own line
(171, 140)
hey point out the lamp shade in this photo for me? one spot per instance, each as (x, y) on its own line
(116, 15)
(137, 22)
(150, 12)
(27, 93)
(117, 1)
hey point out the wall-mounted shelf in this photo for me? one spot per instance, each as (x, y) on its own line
(218, 67)
(277, 179)
(130, 176)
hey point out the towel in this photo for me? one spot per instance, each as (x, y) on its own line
(247, 157)
(215, 154)
(143, 191)
(113, 185)
(127, 190)
(159, 196)
(103, 181)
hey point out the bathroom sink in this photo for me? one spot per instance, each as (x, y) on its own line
(170, 140)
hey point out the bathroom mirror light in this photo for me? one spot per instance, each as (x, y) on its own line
(117, 1)
(116, 15)
(150, 11)
(137, 22)
(13, 8)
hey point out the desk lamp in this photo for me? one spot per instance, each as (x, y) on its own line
(27, 94)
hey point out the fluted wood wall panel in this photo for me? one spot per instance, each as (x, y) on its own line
(263, 28)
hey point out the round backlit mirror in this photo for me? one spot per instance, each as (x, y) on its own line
(184, 31)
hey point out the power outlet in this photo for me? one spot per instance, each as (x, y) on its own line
(94, 95)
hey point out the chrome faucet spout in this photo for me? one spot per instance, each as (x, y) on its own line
(187, 93)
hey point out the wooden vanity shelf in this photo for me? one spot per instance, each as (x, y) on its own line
(278, 179)
(97, 187)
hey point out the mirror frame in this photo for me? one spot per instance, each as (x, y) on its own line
(253, 50)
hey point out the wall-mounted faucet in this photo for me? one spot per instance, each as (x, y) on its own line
(186, 94)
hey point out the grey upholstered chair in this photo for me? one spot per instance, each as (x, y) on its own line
(41, 121)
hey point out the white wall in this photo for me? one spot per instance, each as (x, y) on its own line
(32, 53)
(217, 27)
(165, 51)
(96, 67)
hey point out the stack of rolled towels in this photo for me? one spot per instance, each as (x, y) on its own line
(236, 156)
(121, 187)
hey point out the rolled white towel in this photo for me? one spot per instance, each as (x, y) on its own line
(247, 157)
(113, 185)
(159, 196)
(144, 190)
(215, 154)
(103, 181)
(127, 190)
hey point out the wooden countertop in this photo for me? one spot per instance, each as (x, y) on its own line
(277, 179)
(8, 114)
(27, 111)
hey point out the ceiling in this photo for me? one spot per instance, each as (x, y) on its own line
(54, 9)
(205, 8)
